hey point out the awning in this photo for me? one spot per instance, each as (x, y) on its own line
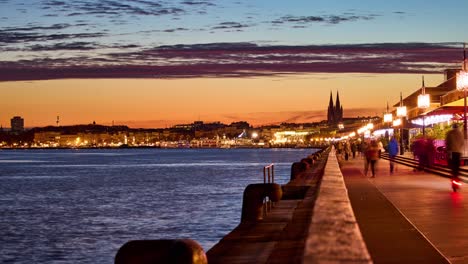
(447, 112)
(457, 111)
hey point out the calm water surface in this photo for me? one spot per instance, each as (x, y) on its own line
(80, 206)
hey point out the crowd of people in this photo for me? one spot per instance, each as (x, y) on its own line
(423, 150)
(369, 149)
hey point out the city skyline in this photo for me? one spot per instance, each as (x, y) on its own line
(155, 64)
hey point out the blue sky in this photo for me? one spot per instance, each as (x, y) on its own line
(335, 45)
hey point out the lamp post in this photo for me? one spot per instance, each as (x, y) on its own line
(462, 85)
(424, 102)
(388, 118)
(401, 113)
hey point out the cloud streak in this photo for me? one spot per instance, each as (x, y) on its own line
(112, 7)
(236, 60)
(327, 19)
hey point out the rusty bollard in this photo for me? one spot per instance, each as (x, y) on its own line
(165, 251)
(252, 202)
(296, 169)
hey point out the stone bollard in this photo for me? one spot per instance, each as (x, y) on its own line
(252, 202)
(296, 169)
(312, 158)
(184, 251)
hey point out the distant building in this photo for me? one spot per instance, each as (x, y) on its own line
(335, 112)
(17, 124)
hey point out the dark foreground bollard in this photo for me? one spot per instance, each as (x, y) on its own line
(308, 161)
(183, 251)
(252, 202)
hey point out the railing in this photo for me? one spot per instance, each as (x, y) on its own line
(269, 173)
(435, 168)
(268, 177)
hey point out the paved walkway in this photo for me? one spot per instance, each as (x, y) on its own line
(408, 217)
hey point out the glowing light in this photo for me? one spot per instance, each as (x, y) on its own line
(462, 80)
(367, 134)
(457, 182)
(370, 126)
(424, 101)
(430, 120)
(254, 135)
(401, 111)
(396, 122)
(382, 132)
(387, 118)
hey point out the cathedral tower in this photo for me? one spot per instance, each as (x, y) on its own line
(335, 112)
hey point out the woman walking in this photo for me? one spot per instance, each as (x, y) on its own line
(372, 155)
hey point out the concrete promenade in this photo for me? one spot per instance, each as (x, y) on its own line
(408, 216)
(332, 213)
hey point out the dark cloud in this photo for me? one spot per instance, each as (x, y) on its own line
(198, 3)
(240, 60)
(171, 30)
(35, 28)
(65, 46)
(327, 19)
(112, 7)
(15, 37)
(230, 25)
(54, 3)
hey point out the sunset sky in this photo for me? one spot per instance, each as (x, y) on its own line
(157, 63)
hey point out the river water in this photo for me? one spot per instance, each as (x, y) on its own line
(80, 206)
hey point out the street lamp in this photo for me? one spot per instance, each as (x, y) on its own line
(401, 113)
(424, 102)
(462, 85)
(388, 118)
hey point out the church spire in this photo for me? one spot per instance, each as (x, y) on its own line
(338, 109)
(338, 100)
(331, 110)
(330, 103)
(335, 111)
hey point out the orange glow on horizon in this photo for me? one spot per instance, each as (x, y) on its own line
(165, 102)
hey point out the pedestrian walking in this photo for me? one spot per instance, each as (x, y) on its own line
(392, 152)
(372, 154)
(381, 147)
(364, 146)
(347, 150)
(354, 148)
(454, 142)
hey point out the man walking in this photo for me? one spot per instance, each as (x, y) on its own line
(392, 152)
(454, 142)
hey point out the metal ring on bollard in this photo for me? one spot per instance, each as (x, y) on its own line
(252, 202)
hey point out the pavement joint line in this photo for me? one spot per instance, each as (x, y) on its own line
(409, 221)
(362, 195)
